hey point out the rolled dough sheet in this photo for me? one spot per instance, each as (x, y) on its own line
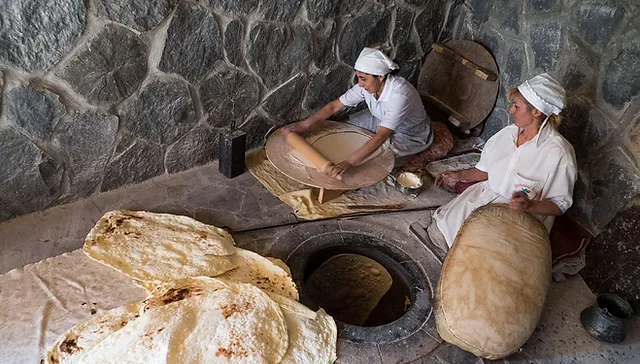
(42, 300)
(337, 147)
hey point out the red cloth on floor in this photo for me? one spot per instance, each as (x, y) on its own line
(442, 144)
(567, 238)
(460, 186)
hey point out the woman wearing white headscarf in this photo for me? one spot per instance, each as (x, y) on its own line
(527, 164)
(395, 111)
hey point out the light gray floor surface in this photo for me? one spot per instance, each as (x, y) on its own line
(243, 203)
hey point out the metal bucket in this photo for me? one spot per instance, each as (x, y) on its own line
(407, 182)
(606, 319)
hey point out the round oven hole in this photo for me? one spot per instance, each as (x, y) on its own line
(358, 286)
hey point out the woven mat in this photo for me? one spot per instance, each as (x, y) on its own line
(301, 198)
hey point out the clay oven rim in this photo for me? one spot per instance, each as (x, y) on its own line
(392, 257)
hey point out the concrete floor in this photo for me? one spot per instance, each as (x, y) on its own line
(242, 203)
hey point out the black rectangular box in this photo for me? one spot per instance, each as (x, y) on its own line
(231, 153)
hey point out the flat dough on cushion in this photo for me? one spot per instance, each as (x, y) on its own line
(493, 282)
(149, 246)
(194, 320)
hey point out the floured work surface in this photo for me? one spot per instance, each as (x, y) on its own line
(328, 136)
(42, 300)
(456, 163)
(379, 197)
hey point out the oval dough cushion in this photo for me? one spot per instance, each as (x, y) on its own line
(494, 282)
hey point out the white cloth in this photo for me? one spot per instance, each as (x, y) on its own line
(544, 93)
(374, 62)
(400, 109)
(546, 163)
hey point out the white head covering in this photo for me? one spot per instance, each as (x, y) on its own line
(374, 62)
(544, 93)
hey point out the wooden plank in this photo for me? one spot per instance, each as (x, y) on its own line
(455, 85)
(325, 195)
(455, 117)
(477, 70)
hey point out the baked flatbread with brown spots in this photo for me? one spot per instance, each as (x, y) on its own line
(195, 320)
(149, 246)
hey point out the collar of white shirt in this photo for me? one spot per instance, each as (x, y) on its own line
(388, 86)
(542, 135)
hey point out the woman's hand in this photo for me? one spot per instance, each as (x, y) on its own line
(298, 128)
(448, 178)
(520, 202)
(322, 114)
(337, 170)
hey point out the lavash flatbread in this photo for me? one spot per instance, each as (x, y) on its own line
(255, 269)
(196, 320)
(250, 268)
(88, 334)
(280, 264)
(149, 246)
(312, 335)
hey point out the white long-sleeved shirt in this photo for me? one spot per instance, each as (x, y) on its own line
(400, 109)
(545, 167)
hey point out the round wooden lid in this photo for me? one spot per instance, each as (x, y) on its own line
(461, 78)
(365, 174)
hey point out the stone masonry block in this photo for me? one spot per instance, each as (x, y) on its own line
(369, 29)
(329, 9)
(328, 85)
(277, 51)
(284, 104)
(162, 111)
(193, 42)
(621, 81)
(199, 146)
(36, 34)
(109, 67)
(37, 112)
(141, 15)
(229, 95)
(596, 22)
(324, 40)
(279, 10)
(233, 36)
(86, 141)
(139, 161)
(613, 180)
(546, 41)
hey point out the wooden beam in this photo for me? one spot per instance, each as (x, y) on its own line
(325, 195)
(477, 70)
(455, 117)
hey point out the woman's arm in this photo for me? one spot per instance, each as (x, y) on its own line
(466, 175)
(361, 154)
(520, 202)
(322, 114)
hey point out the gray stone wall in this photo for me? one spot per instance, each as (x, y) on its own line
(97, 94)
(593, 48)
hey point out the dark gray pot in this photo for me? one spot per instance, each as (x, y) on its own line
(606, 318)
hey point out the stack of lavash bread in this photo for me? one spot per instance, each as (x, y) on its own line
(209, 302)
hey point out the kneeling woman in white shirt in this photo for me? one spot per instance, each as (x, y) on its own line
(527, 164)
(395, 111)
